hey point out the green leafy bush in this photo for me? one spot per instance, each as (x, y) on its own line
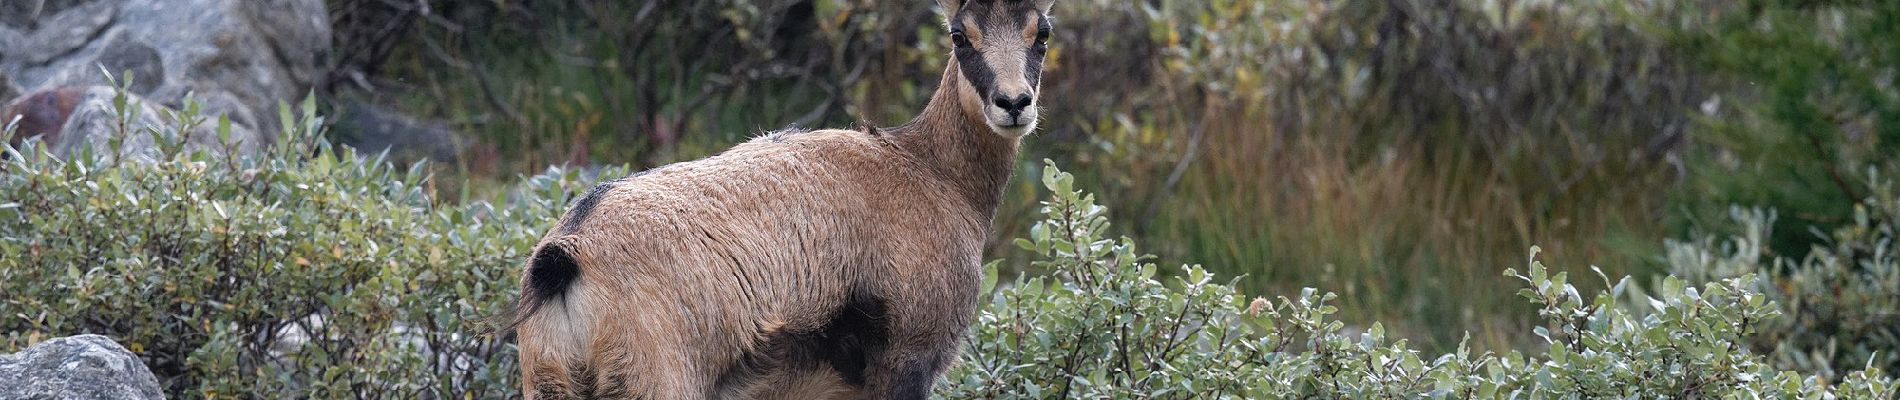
(1841, 301)
(311, 271)
(1103, 326)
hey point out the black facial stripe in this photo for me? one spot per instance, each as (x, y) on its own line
(1042, 27)
(979, 74)
(1032, 67)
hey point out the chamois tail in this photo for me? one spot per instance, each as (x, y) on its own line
(551, 274)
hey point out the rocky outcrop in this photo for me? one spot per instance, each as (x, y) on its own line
(238, 57)
(71, 118)
(76, 367)
(374, 128)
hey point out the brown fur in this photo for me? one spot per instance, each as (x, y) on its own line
(799, 265)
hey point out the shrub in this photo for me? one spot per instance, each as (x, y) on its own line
(1841, 300)
(1103, 326)
(311, 271)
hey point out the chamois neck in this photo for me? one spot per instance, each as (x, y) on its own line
(957, 145)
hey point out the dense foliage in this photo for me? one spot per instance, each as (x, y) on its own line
(1104, 325)
(315, 271)
(1842, 299)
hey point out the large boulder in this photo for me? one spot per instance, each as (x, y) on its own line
(67, 120)
(374, 128)
(239, 57)
(76, 367)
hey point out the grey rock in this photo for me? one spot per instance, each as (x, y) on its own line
(7, 90)
(76, 367)
(373, 128)
(94, 125)
(20, 14)
(297, 32)
(238, 57)
(57, 33)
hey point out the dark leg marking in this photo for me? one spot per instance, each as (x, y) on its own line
(857, 332)
(860, 329)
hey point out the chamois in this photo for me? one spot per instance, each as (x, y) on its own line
(797, 265)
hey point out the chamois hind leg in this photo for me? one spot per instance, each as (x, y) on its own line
(567, 352)
(609, 380)
(614, 368)
(645, 370)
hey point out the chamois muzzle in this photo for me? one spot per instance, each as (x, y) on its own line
(1011, 113)
(1013, 106)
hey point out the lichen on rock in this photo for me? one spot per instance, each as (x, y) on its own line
(76, 367)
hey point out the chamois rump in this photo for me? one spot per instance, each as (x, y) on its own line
(797, 265)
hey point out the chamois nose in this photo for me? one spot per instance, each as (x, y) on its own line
(1014, 106)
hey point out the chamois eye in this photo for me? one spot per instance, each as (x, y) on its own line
(961, 41)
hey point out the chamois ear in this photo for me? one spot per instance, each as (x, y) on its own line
(1044, 5)
(950, 8)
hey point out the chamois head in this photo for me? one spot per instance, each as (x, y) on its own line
(999, 49)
